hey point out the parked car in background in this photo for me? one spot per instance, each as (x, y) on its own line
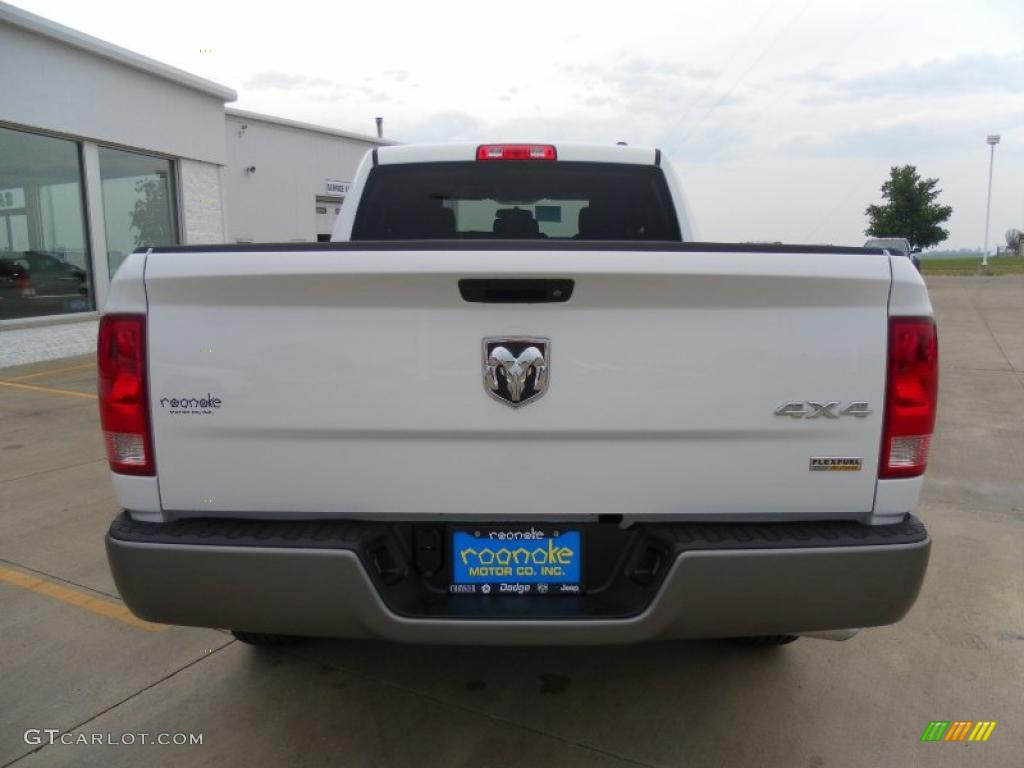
(44, 284)
(15, 289)
(897, 245)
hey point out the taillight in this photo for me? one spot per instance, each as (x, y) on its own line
(515, 152)
(124, 402)
(912, 389)
(23, 282)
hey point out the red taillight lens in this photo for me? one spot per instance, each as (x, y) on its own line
(124, 402)
(515, 152)
(23, 282)
(912, 390)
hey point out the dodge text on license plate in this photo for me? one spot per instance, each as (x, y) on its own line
(517, 560)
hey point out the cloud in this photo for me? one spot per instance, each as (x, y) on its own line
(702, 73)
(724, 145)
(374, 94)
(313, 88)
(970, 74)
(895, 141)
(446, 125)
(642, 100)
(285, 81)
(648, 88)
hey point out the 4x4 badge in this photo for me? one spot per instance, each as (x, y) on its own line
(813, 409)
(516, 368)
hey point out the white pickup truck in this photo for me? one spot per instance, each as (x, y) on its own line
(514, 402)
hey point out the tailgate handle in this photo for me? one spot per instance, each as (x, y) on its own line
(516, 290)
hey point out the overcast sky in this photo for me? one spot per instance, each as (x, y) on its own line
(781, 116)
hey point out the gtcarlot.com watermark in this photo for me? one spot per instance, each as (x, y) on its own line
(37, 737)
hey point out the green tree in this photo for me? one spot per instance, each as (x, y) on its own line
(910, 209)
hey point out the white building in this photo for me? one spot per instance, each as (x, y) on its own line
(103, 150)
(286, 180)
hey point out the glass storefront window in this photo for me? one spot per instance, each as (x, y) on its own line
(44, 253)
(138, 203)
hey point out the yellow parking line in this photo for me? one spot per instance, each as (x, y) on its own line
(77, 598)
(52, 371)
(49, 390)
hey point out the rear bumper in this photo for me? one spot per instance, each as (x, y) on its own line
(327, 579)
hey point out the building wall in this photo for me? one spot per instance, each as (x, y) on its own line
(277, 202)
(115, 105)
(201, 202)
(51, 86)
(57, 82)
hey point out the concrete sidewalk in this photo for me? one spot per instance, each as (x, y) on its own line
(33, 344)
(70, 660)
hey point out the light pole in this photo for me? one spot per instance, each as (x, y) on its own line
(992, 139)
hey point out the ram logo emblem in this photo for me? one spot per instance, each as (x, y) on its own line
(516, 369)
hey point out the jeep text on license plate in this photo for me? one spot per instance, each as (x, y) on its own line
(516, 560)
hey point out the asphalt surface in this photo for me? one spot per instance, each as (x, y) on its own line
(74, 660)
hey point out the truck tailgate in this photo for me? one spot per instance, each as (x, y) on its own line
(316, 383)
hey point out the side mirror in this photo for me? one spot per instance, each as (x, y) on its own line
(915, 250)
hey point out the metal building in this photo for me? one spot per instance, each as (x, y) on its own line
(287, 180)
(103, 150)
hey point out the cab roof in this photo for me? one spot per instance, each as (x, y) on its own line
(592, 153)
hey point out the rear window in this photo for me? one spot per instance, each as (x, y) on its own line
(892, 243)
(509, 199)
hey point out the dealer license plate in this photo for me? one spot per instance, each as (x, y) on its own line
(516, 560)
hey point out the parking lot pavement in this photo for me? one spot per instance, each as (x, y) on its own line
(72, 659)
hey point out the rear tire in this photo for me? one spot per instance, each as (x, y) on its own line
(258, 638)
(765, 641)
